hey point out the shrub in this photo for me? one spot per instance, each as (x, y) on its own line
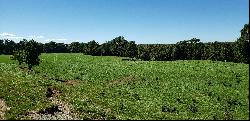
(28, 52)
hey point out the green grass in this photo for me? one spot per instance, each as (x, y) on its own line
(6, 59)
(115, 89)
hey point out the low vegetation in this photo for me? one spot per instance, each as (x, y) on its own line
(105, 87)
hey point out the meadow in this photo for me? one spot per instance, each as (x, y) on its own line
(107, 87)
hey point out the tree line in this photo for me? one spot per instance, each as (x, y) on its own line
(192, 49)
(8, 47)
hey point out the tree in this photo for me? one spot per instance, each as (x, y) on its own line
(144, 52)
(50, 47)
(131, 49)
(9, 47)
(76, 47)
(1, 46)
(28, 52)
(61, 48)
(242, 46)
(245, 32)
(91, 48)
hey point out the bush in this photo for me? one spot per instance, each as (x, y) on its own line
(28, 52)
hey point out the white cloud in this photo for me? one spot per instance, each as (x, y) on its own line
(38, 38)
(7, 35)
(61, 39)
(35, 37)
(13, 37)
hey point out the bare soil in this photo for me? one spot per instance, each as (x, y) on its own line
(123, 80)
(3, 109)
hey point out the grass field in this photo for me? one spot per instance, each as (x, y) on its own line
(109, 88)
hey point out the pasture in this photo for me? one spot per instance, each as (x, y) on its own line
(106, 87)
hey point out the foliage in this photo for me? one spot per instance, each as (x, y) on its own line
(1, 46)
(116, 47)
(191, 49)
(28, 52)
(242, 46)
(91, 48)
(7, 46)
(76, 47)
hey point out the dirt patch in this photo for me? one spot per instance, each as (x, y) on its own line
(3, 109)
(58, 111)
(50, 110)
(51, 92)
(123, 80)
(25, 69)
(71, 82)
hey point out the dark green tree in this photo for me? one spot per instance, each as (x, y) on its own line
(131, 49)
(75, 47)
(9, 47)
(242, 46)
(1, 46)
(28, 52)
(91, 48)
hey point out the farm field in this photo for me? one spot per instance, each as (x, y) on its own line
(105, 87)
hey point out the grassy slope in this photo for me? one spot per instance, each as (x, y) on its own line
(111, 88)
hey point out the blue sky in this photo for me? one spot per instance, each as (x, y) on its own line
(142, 21)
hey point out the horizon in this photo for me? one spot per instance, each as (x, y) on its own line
(112, 39)
(142, 21)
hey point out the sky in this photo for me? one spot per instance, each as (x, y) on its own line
(142, 21)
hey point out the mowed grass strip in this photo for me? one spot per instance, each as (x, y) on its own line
(106, 87)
